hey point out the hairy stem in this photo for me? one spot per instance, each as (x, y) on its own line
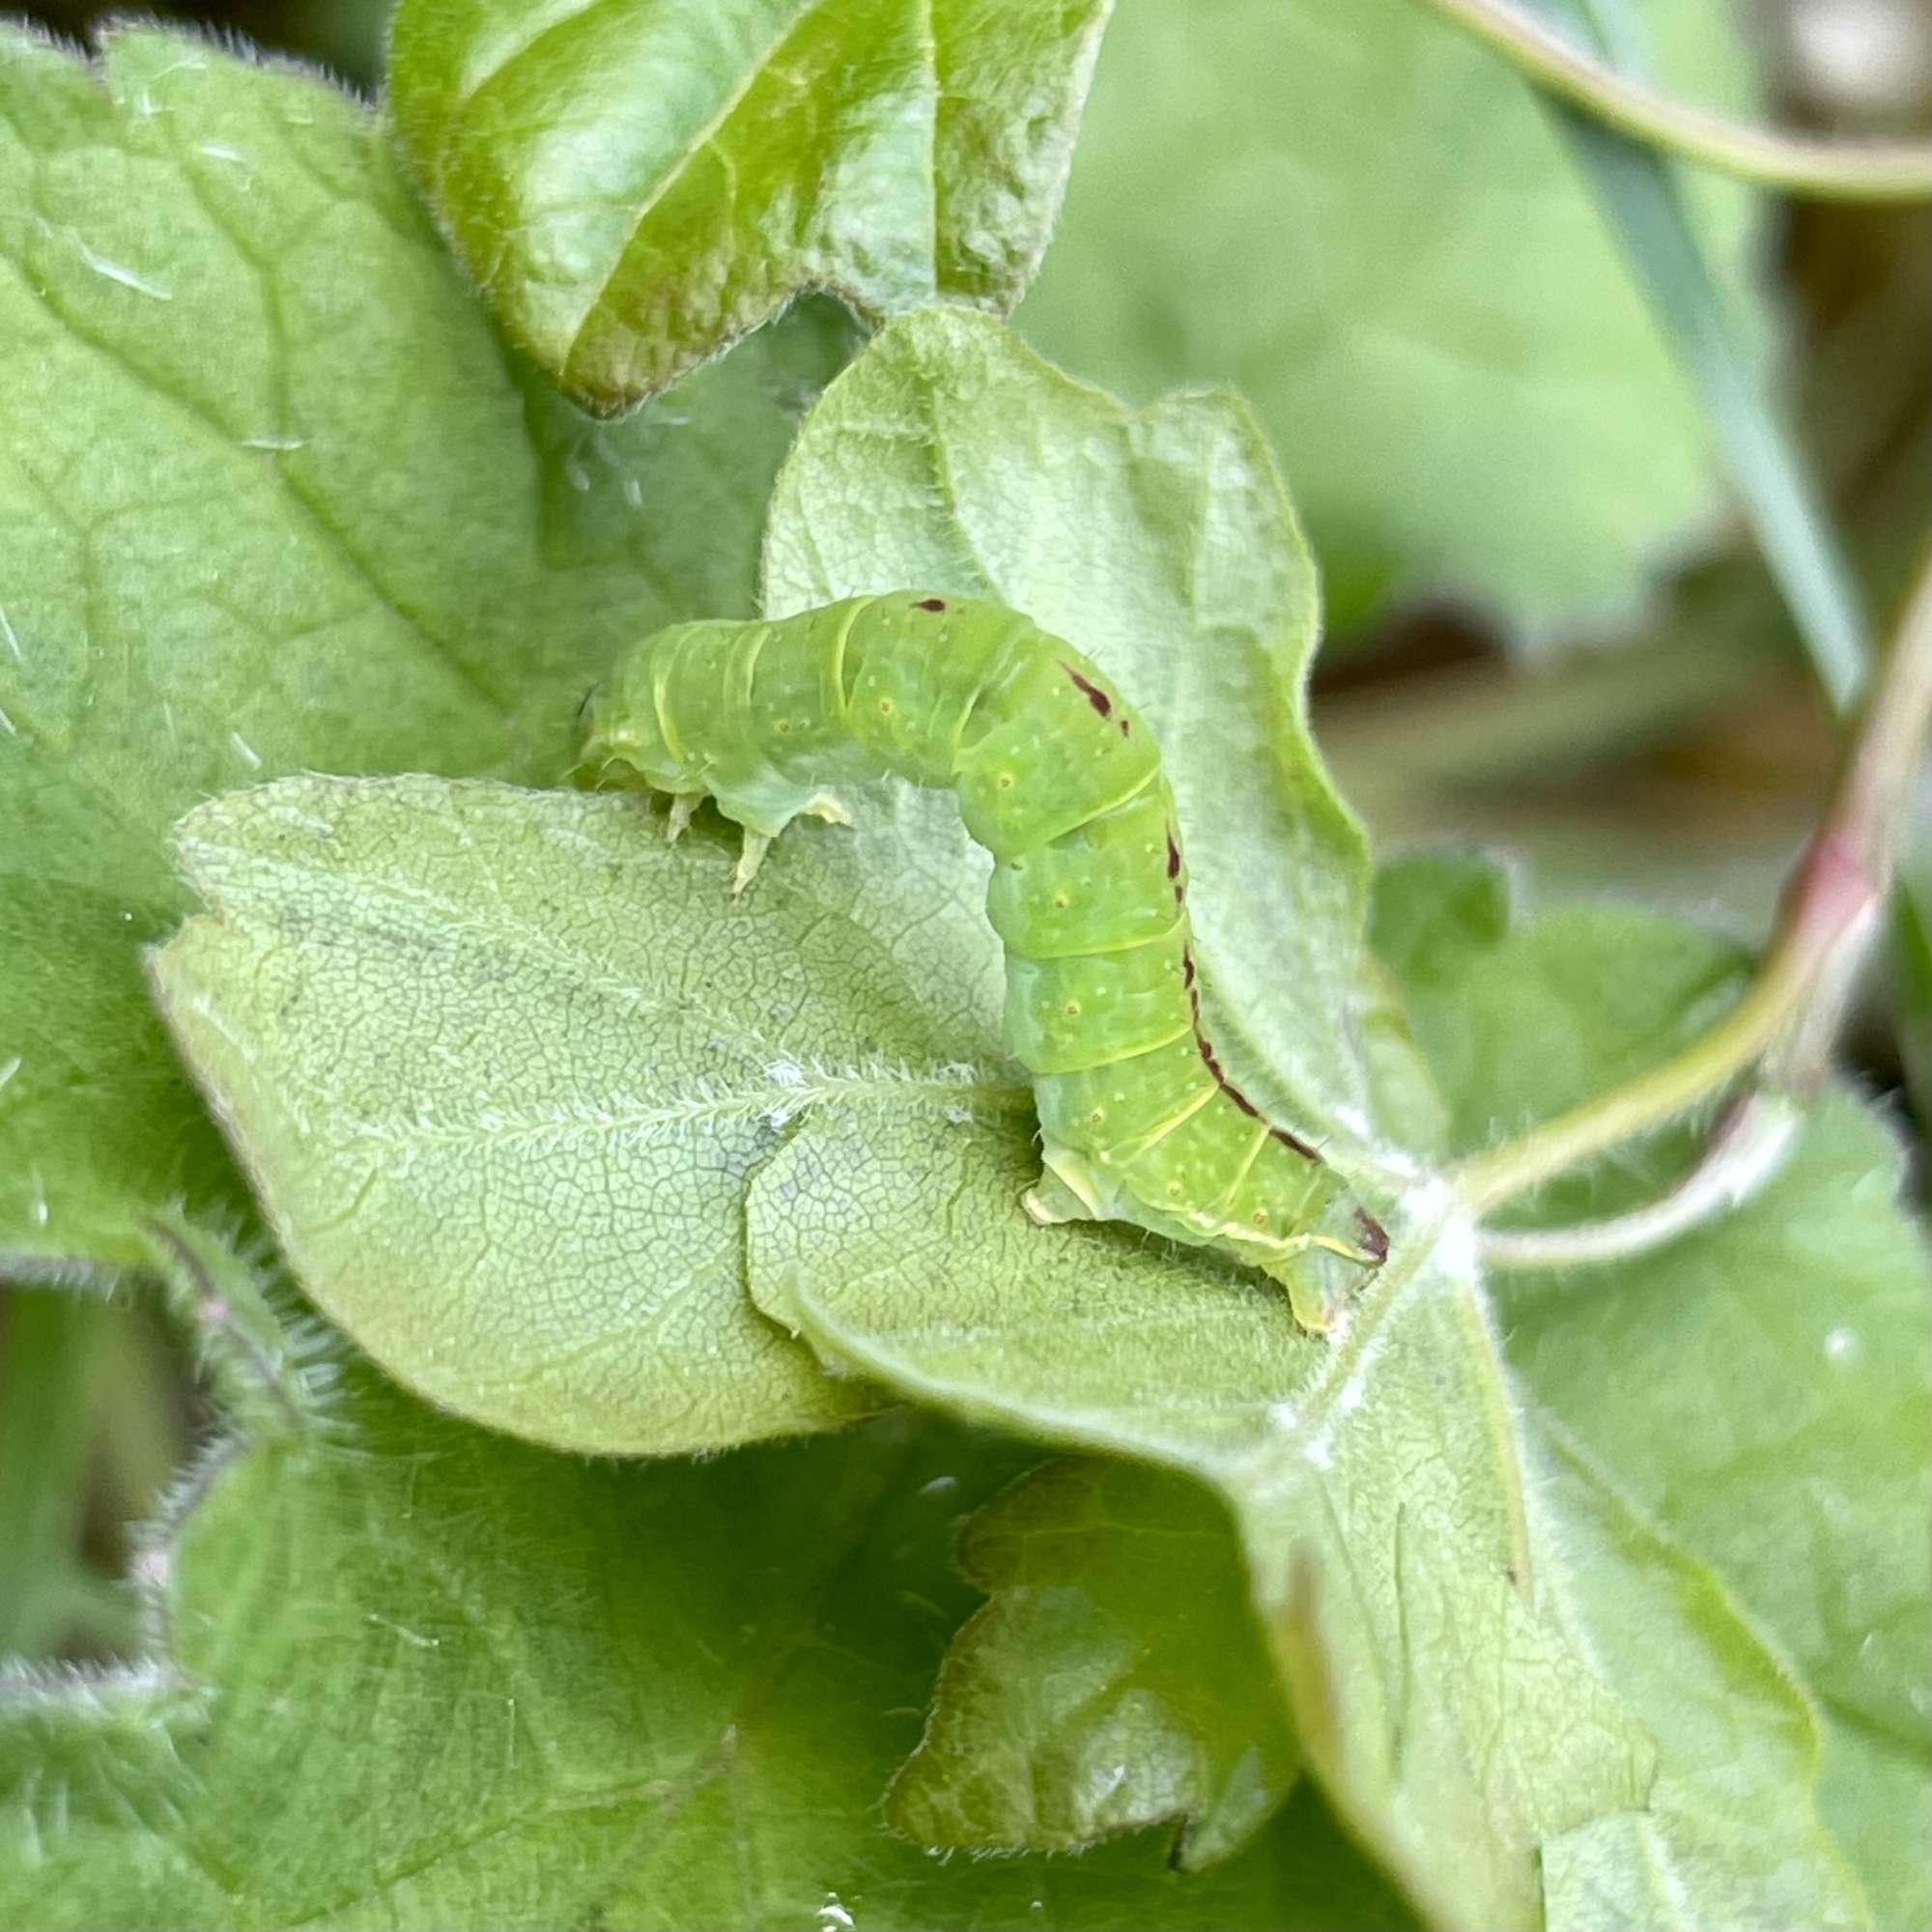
(1746, 1149)
(1798, 164)
(1784, 1026)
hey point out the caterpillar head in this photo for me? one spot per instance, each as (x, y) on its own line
(621, 728)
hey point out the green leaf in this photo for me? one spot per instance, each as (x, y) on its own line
(1524, 1693)
(499, 1062)
(635, 184)
(1379, 1488)
(1731, 1836)
(423, 1676)
(544, 1062)
(1770, 1404)
(1464, 386)
(1521, 1021)
(1115, 1680)
(1162, 543)
(273, 497)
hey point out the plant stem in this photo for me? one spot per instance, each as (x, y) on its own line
(1642, 198)
(1746, 1149)
(1785, 1024)
(1797, 163)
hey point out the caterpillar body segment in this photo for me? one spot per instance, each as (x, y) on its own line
(1059, 778)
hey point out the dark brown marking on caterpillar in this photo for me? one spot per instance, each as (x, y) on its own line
(930, 604)
(1374, 1236)
(1187, 966)
(1126, 727)
(1226, 1086)
(1173, 856)
(1091, 691)
(1301, 1148)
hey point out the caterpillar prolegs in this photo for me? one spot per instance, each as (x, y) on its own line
(1060, 782)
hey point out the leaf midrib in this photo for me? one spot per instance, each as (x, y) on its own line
(700, 138)
(854, 1086)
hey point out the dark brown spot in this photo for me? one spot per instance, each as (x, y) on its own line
(1173, 856)
(930, 604)
(1299, 1145)
(1187, 967)
(1089, 690)
(1241, 1100)
(1374, 1236)
(1127, 725)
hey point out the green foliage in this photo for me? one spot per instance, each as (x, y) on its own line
(458, 1681)
(1373, 230)
(1769, 1395)
(1732, 1824)
(1581, 1601)
(1112, 1681)
(274, 500)
(638, 184)
(1659, 1746)
(603, 1025)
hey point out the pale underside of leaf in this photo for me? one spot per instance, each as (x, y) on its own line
(1162, 544)
(500, 1062)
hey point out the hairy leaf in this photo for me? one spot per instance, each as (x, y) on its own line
(1770, 1401)
(1187, 550)
(422, 1676)
(1378, 1488)
(1524, 1693)
(1369, 224)
(638, 183)
(1731, 1834)
(499, 1062)
(1116, 1678)
(1162, 545)
(271, 498)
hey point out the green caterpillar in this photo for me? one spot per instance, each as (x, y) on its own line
(1060, 782)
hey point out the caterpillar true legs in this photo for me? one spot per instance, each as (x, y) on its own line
(1060, 782)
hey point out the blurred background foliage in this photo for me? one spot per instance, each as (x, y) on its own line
(1619, 701)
